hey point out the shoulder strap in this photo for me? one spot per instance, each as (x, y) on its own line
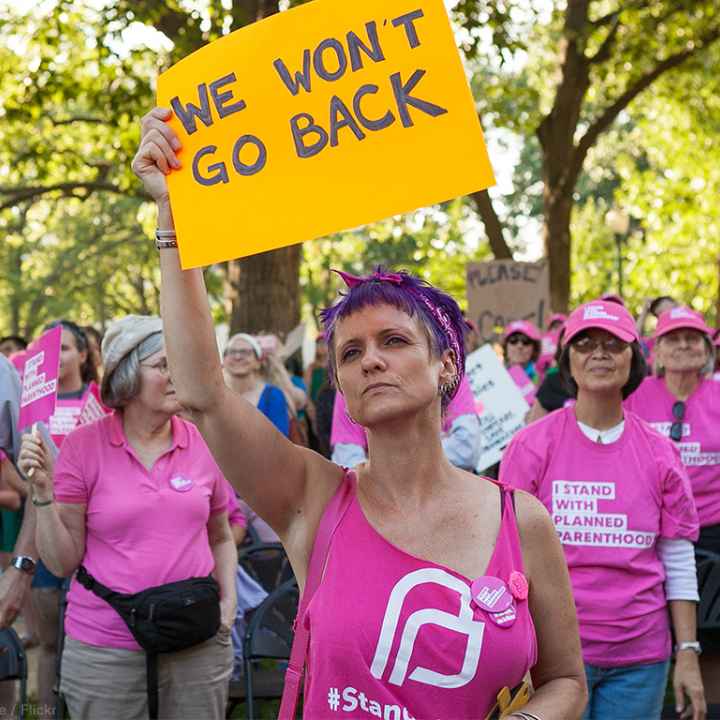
(97, 588)
(331, 518)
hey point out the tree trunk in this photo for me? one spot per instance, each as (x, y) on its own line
(262, 291)
(558, 207)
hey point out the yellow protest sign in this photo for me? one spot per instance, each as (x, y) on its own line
(318, 119)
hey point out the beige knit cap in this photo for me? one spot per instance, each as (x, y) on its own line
(122, 337)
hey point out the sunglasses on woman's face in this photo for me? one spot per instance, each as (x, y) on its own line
(586, 344)
(519, 340)
(676, 429)
(238, 353)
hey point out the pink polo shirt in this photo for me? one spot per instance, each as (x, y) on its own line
(345, 431)
(609, 504)
(236, 515)
(700, 444)
(143, 527)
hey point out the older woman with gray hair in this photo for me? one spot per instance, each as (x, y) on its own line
(136, 504)
(682, 402)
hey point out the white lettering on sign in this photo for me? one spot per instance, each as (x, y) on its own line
(578, 521)
(34, 386)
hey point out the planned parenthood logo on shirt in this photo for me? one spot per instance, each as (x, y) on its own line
(579, 521)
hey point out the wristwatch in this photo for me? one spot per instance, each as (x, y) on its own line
(24, 564)
(694, 646)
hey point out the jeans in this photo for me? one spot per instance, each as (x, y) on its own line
(631, 692)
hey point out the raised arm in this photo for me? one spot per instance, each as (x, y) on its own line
(267, 470)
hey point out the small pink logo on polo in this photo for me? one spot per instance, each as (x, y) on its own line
(181, 484)
(598, 312)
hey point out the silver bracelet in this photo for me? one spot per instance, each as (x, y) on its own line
(165, 239)
(523, 715)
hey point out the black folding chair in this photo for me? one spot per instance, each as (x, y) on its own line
(13, 665)
(269, 637)
(267, 564)
(708, 572)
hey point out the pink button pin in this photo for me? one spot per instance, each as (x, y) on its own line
(491, 594)
(506, 618)
(181, 484)
(518, 585)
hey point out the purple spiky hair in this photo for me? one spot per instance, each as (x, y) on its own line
(437, 310)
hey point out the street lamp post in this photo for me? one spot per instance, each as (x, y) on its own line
(619, 222)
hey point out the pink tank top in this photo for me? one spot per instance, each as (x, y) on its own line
(396, 637)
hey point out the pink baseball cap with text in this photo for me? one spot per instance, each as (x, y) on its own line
(557, 317)
(680, 317)
(521, 326)
(602, 315)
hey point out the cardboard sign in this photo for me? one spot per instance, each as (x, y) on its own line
(501, 291)
(40, 379)
(500, 405)
(318, 119)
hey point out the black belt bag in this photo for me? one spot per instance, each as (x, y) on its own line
(163, 619)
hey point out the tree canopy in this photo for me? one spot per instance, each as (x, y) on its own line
(599, 103)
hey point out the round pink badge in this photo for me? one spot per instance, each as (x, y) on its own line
(518, 585)
(181, 484)
(491, 594)
(506, 618)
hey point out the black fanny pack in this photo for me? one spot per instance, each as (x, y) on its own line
(163, 619)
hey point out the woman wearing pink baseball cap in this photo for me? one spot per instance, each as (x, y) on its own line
(683, 402)
(521, 344)
(622, 506)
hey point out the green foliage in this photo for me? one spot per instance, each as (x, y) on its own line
(667, 177)
(431, 243)
(75, 224)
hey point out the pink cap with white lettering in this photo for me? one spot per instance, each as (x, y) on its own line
(603, 315)
(521, 326)
(680, 317)
(557, 317)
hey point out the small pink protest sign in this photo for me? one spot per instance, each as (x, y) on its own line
(40, 379)
(92, 409)
(524, 383)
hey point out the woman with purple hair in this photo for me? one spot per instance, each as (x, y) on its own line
(439, 589)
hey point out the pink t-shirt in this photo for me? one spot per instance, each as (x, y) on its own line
(143, 527)
(609, 504)
(345, 431)
(394, 636)
(700, 444)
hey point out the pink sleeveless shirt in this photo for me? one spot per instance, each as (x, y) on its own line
(396, 637)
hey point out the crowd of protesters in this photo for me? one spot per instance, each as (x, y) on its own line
(574, 569)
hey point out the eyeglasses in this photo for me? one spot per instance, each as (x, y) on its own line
(519, 339)
(160, 366)
(676, 429)
(586, 345)
(239, 353)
